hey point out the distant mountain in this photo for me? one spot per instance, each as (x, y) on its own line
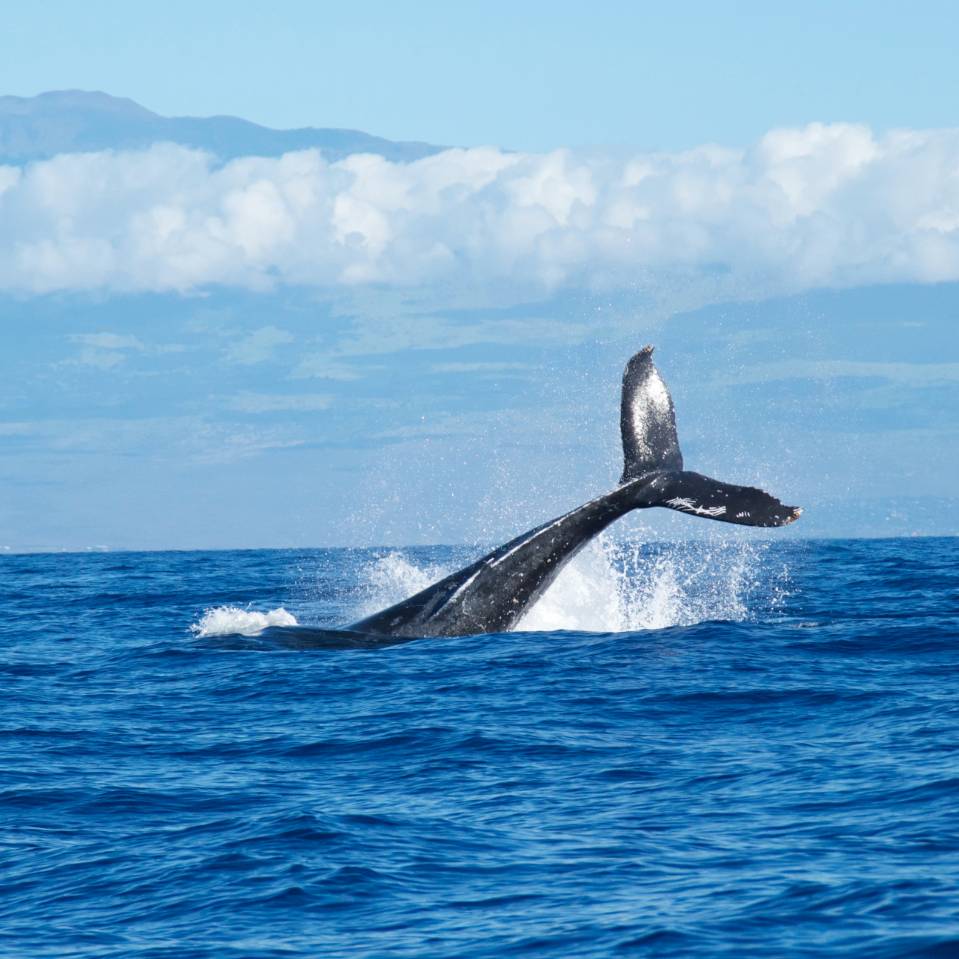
(72, 121)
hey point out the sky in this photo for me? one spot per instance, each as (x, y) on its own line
(299, 351)
(527, 76)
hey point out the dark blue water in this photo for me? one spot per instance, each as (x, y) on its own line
(783, 785)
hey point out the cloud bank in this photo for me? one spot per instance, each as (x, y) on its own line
(824, 205)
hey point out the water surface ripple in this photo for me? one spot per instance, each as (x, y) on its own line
(785, 784)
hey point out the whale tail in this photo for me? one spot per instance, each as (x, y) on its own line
(647, 420)
(651, 452)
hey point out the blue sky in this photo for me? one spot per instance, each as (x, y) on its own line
(532, 76)
(297, 351)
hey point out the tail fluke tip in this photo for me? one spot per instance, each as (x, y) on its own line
(641, 356)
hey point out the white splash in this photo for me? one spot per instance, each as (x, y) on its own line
(233, 621)
(613, 587)
(392, 578)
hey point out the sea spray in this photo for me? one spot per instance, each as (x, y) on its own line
(611, 586)
(234, 621)
(614, 586)
(392, 578)
(620, 587)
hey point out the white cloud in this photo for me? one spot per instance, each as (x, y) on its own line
(108, 341)
(278, 403)
(820, 205)
(258, 346)
(162, 439)
(319, 366)
(905, 374)
(104, 351)
(100, 359)
(380, 334)
(480, 367)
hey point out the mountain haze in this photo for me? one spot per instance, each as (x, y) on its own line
(72, 121)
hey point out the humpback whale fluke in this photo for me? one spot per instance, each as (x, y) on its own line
(647, 420)
(492, 594)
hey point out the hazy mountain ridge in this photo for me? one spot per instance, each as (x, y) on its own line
(76, 121)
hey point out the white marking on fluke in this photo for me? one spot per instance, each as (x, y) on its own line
(688, 506)
(650, 407)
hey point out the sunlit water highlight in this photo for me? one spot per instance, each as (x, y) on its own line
(731, 749)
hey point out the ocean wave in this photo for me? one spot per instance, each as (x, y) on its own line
(776, 779)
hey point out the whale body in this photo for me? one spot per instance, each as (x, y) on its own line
(492, 594)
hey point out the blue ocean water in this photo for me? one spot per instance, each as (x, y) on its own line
(762, 759)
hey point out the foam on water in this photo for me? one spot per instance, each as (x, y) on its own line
(233, 621)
